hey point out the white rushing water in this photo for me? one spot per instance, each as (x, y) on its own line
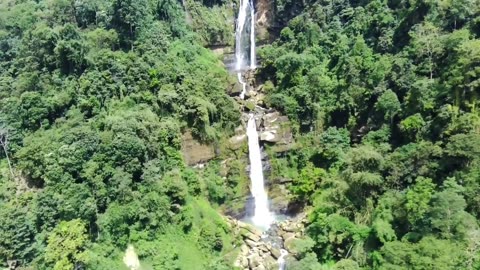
(262, 217)
(245, 58)
(281, 260)
(253, 56)
(244, 85)
(245, 55)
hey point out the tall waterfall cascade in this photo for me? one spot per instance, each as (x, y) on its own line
(245, 55)
(245, 59)
(262, 217)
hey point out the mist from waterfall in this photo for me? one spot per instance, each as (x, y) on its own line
(262, 216)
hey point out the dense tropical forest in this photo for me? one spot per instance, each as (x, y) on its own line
(95, 96)
(385, 97)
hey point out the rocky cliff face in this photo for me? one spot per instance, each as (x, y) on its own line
(275, 134)
(195, 152)
(265, 19)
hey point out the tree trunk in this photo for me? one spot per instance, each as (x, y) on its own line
(8, 160)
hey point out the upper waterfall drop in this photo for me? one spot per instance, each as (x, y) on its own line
(245, 54)
(262, 217)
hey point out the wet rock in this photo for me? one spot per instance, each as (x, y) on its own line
(275, 253)
(264, 252)
(221, 49)
(244, 249)
(283, 180)
(270, 136)
(280, 204)
(224, 167)
(244, 262)
(235, 89)
(290, 244)
(279, 197)
(260, 99)
(270, 262)
(291, 227)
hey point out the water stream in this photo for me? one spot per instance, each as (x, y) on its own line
(245, 55)
(262, 216)
(245, 58)
(281, 260)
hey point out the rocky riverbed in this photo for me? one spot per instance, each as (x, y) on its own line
(261, 250)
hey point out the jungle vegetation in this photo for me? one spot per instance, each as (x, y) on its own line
(96, 94)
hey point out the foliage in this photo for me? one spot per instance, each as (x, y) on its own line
(65, 244)
(95, 96)
(385, 94)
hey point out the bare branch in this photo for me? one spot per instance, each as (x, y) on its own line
(4, 133)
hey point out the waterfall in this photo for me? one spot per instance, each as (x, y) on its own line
(244, 85)
(253, 57)
(281, 260)
(262, 217)
(245, 56)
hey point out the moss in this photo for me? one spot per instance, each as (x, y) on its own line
(250, 105)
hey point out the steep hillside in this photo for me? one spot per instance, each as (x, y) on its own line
(384, 95)
(121, 126)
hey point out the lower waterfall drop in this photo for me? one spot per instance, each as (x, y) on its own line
(281, 260)
(262, 216)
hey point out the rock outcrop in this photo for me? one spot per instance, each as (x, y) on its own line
(276, 129)
(255, 253)
(235, 89)
(279, 197)
(239, 139)
(261, 251)
(195, 152)
(265, 19)
(291, 231)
